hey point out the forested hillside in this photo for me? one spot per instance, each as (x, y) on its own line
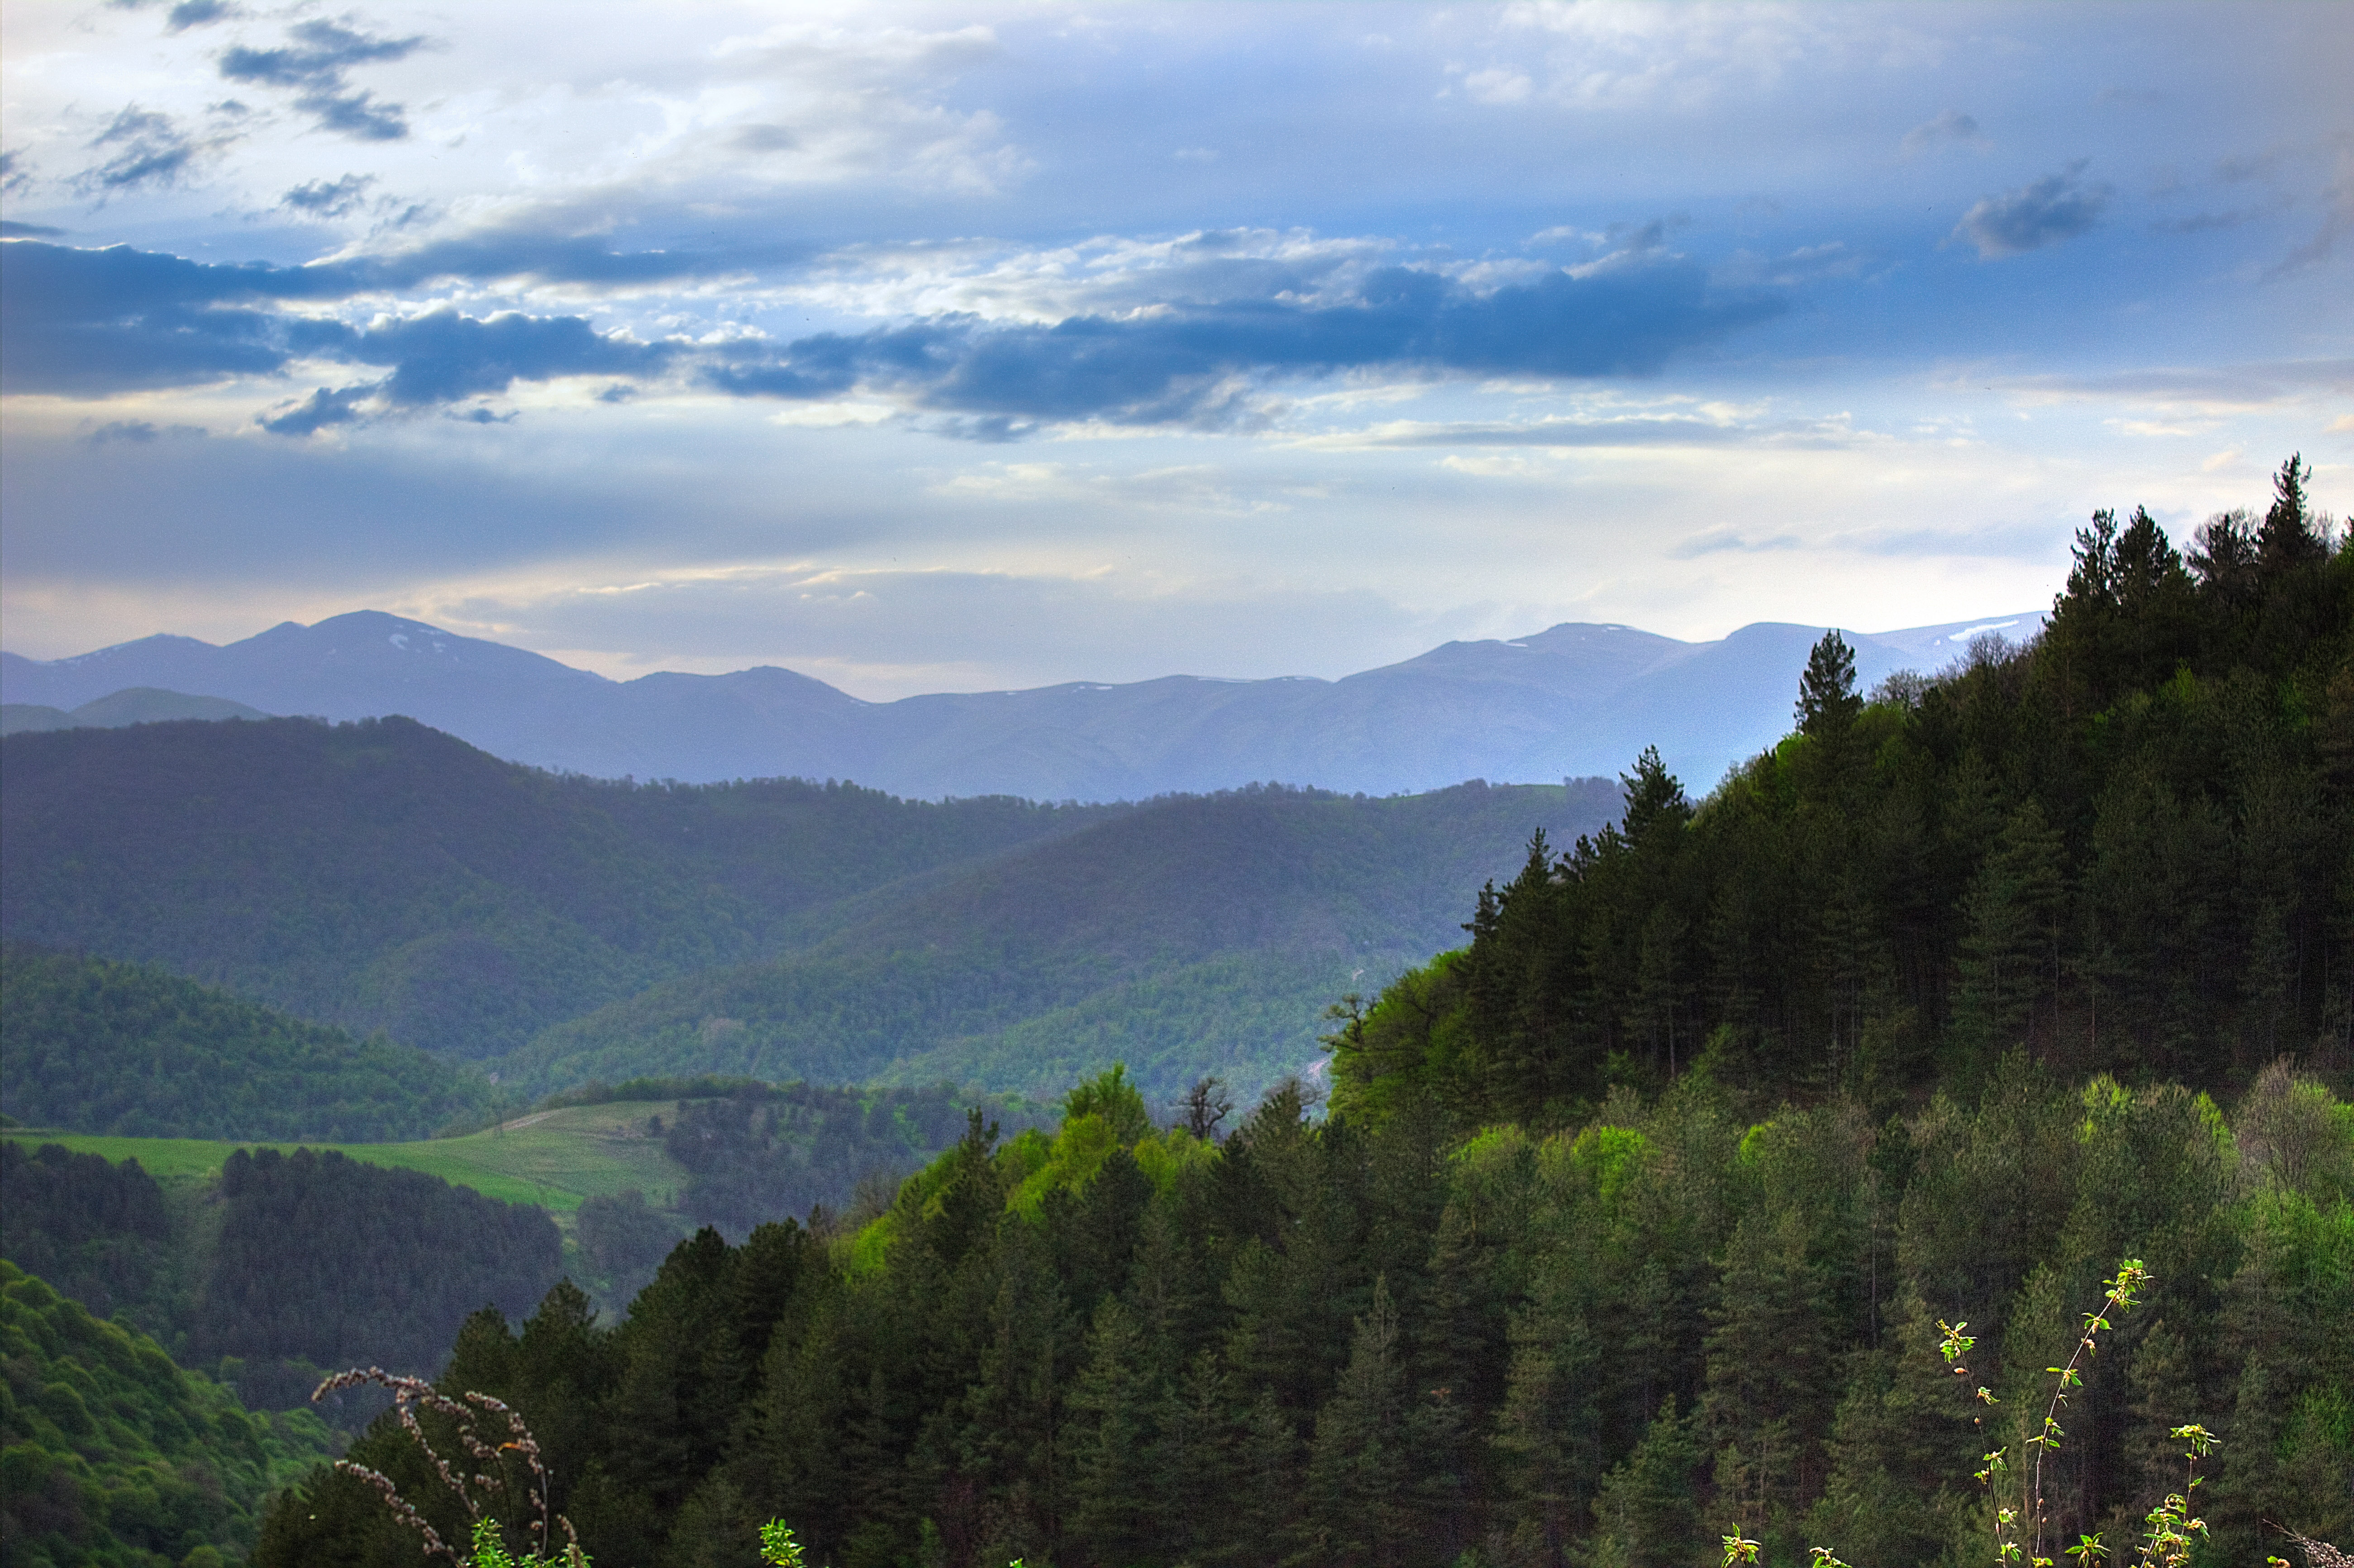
(1388, 1345)
(1640, 1221)
(2128, 846)
(285, 1265)
(1201, 934)
(383, 877)
(115, 1457)
(95, 1047)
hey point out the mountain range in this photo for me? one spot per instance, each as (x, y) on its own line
(383, 876)
(1575, 700)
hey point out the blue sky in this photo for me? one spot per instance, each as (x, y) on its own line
(956, 347)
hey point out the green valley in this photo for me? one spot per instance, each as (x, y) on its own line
(552, 1158)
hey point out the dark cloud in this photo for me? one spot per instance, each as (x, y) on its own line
(119, 282)
(354, 114)
(322, 52)
(89, 323)
(441, 357)
(528, 253)
(11, 229)
(2056, 208)
(149, 149)
(128, 282)
(316, 62)
(326, 406)
(198, 13)
(1194, 364)
(328, 199)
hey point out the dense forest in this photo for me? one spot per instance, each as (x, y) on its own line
(1195, 935)
(1638, 1221)
(753, 1150)
(286, 1265)
(1387, 1345)
(112, 1458)
(129, 1049)
(384, 876)
(766, 1150)
(2128, 847)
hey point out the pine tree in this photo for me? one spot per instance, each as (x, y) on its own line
(1195, 1457)
(1769, 1367)
(1648, 1513)
(1114, 1479)
(1655, 799)
(2286, 539)
(1263, 1523)
(1546, 1430)
(2009, 956)
(1358, 1467)
(1828, 702)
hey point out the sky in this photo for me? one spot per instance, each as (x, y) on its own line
(960, 347)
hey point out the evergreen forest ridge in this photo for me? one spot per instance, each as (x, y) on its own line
(1631, 1223)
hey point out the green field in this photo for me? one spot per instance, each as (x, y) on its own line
(553, 1158)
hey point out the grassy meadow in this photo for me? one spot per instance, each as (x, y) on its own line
(554, 1159)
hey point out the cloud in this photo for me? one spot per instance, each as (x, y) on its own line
(198, 13)
(764, 139)
(1720, 541)
(316, 62)
(443, 355)
(1198, 363)
(2054, 208)
(88, 321)
(2217, 388)
(2337, 219)
(326, 406)
(92, 323)
(1952, 126)
(1615, 430)
(2210, 222)
(141, 431)
(150, 150)
(11, 230)
(328, 199)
